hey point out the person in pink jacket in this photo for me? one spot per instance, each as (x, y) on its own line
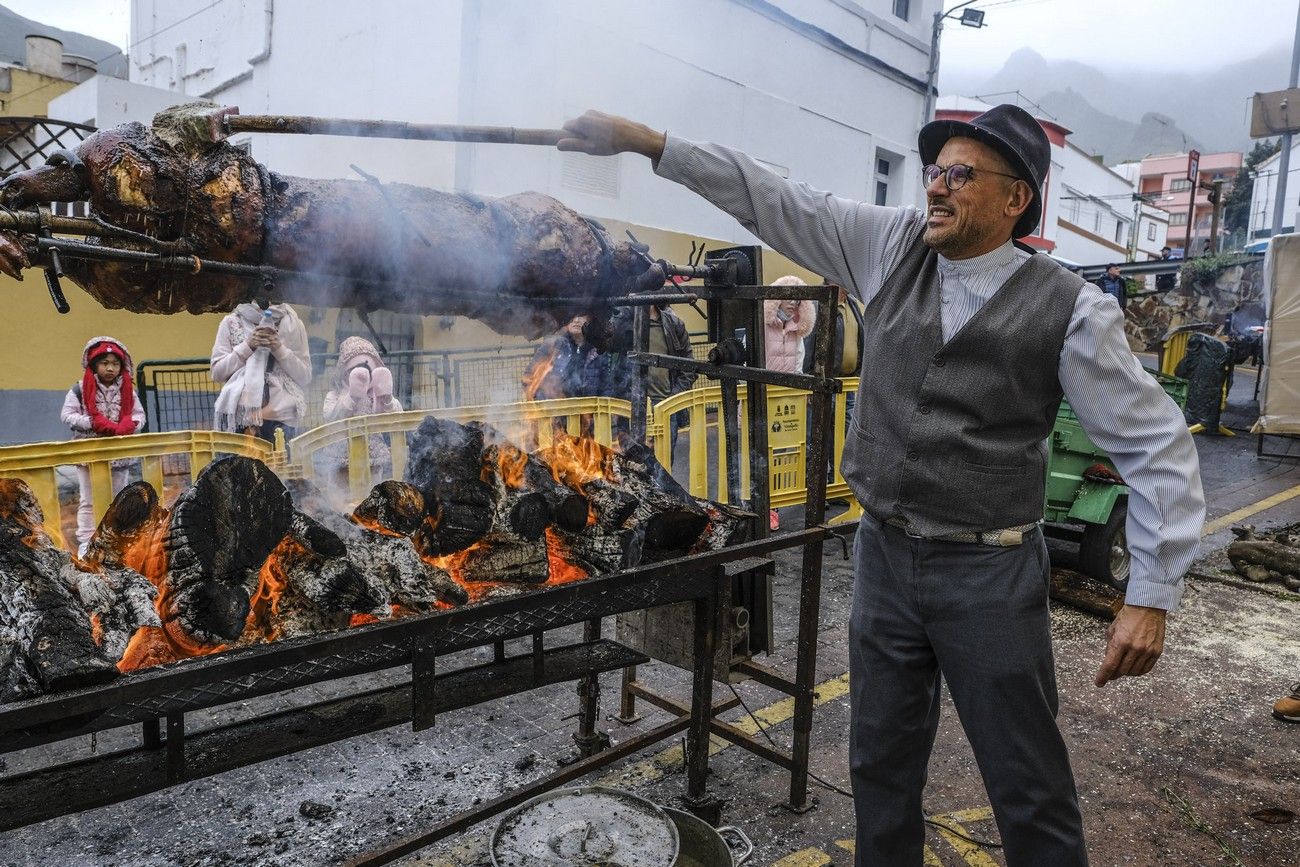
(261, 391)
(102, 404)
(787, 323)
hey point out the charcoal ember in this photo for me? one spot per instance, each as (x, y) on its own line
(409, 580)
(566, 507)
(376, 536)
(120, 601)
(600, 551)
(395, 506)
(328, 575)
(221, 531)
(612, 504)
(46, 634)
(728, 525)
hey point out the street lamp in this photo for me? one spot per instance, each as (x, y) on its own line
(968, 18)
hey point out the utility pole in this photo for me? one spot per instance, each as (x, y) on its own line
(1216, 196)
(1284, 159)
(970, 18)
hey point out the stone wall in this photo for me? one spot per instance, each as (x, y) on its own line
(1150, 317)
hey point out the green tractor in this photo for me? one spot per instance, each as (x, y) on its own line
(1087, 503)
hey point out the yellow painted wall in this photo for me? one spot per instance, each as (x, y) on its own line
(29, 94)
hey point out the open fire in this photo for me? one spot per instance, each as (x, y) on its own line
(242, 558)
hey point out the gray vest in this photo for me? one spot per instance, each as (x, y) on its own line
(952, 437)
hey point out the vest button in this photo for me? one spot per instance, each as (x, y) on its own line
(924, 409)
(938, 361)
(913, 456)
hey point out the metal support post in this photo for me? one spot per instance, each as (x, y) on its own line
(627, 698)
(697, 736)
(819, 418)
(589, 740)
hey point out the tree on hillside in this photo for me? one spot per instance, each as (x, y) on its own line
(1236, 204)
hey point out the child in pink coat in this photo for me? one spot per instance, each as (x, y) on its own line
(785, 325)
(102, 404)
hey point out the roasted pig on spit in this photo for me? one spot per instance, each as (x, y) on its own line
(523, 264)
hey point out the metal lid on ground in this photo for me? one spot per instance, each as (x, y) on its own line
(588, 826)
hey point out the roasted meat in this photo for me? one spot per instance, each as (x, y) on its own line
(350, 243)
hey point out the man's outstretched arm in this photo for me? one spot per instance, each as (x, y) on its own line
(849, 242)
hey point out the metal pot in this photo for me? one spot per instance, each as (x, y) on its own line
(703, 846)
(589, 826)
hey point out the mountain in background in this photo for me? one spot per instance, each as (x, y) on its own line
(14, 30)
(1125, 115)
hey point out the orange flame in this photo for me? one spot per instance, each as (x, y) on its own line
(511, 463)
(536, 375)
(563, 570)
(574, 461)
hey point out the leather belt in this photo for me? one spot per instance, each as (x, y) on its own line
(1007, 537)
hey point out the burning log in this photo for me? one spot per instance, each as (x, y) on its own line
(728, 525)
(377, 538)
(669, 517)
(221, 532)
(444, 463)
(340, 243)
(60, 626)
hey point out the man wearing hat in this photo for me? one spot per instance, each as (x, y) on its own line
(971, 343)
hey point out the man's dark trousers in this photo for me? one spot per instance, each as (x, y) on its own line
(978, 614)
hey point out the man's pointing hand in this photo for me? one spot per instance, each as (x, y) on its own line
(1136, 638)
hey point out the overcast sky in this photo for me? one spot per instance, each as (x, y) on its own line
(1115, 34)
(1118, 34)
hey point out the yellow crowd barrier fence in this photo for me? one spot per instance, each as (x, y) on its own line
(343, 446)
(37, 463)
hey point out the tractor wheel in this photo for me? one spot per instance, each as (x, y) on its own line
(1103, 553)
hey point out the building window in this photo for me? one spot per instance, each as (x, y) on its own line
(1180, 185)
(901, 8)
(1096, 222)
(1151, 231)
(886, 163)
(1178, 219)
(1119, 231)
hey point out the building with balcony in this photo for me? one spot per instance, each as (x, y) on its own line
(1163, 181)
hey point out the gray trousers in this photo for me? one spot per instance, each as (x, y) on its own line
(978, 614)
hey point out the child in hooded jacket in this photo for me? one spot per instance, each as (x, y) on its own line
(361, 385)
(785, 325)
(102, 404)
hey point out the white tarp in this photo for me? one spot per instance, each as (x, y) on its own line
(1279, 395)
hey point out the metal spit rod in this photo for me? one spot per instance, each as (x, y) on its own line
(455, 132)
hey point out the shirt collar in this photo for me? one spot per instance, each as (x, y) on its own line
(999, 257)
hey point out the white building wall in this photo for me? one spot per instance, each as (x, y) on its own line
(103, 102)
(1264, 194)
(786, 82)
(1095, 213)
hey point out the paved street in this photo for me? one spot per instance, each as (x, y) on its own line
(1168, 767)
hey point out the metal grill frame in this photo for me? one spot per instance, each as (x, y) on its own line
(169, 692)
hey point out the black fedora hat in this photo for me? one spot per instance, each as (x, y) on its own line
(1013, 133)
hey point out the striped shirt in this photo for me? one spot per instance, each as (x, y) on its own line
(1121, 407)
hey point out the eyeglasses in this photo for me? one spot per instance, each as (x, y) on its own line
(955, 176)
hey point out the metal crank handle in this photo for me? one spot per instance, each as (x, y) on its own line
(746, 844)
(53, 272)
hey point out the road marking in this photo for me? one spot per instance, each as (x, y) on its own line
(670, 759)
(1246, 511)
(810, 857)
(949, 827)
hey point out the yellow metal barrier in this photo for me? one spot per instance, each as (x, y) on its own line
(36, 463)
(536, 419)
(787, 413)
